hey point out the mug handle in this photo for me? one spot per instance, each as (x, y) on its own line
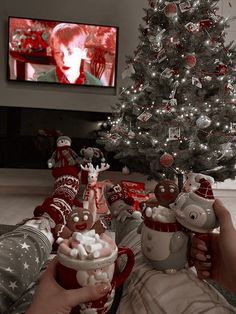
(128, 267)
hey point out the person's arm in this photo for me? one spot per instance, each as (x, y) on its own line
(51, 298)
(217, 259)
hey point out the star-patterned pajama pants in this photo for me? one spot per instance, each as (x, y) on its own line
(24, 253)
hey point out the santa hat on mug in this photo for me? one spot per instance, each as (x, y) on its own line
(205, 189)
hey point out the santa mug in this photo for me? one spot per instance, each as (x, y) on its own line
(74, 273)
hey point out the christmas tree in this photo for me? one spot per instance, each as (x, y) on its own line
(179, 114)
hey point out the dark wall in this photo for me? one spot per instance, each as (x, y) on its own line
(28, 136)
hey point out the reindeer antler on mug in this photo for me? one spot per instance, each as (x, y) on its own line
(93, 172)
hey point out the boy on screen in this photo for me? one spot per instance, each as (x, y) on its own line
(67, 43)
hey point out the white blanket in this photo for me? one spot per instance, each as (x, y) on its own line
(148, 291)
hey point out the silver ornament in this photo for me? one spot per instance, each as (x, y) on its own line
(203, 122)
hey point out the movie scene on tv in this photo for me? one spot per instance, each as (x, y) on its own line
(62, 52)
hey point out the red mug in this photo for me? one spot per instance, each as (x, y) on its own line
(73, 273)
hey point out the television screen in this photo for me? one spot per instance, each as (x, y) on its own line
(62, 52)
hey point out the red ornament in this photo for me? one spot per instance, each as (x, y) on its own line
(221, 69)
(206, 24)
(166, 160)
(170, 10)
(190, 61)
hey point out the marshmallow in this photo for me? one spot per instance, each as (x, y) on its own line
(90, 248)
(74, 252)
(82, 252)
(83, 238)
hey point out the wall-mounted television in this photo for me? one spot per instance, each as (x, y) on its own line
(48, 51)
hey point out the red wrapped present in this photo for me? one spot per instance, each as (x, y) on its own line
(135, 190)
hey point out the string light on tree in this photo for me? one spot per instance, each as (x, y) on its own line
(194, 55)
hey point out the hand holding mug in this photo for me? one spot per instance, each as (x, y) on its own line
(93, 269)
